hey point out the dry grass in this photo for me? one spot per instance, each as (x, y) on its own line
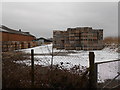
(110, 85)
(110, 40)
(19, 75)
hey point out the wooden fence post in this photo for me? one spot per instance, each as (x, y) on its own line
(96, 74)
(32, 68)
(92, 73)
(52, 58)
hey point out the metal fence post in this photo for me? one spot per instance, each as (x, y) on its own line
(92, 73)
(32, 68)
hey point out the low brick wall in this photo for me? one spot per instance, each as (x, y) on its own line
(15, 45)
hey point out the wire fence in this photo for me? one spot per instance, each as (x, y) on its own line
(60, 59)
(75, 61)
(109, 72)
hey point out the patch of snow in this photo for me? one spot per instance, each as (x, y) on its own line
(108, 70)
(105, 71)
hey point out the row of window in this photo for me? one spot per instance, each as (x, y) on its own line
(73, 36)
(88, 39)
(83, 40)
(89, 35)
(82, 35)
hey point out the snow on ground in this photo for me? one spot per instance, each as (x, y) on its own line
(108, 70)
(42, 49)
(105, 71)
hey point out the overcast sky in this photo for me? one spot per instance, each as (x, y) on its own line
(41, 18)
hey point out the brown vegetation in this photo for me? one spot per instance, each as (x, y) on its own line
(110, 40)
(19, 75)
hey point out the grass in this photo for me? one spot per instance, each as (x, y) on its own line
(16, 75)
(110, 85)
(110, 40)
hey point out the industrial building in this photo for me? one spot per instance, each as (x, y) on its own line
(80, 38)
(15, 39)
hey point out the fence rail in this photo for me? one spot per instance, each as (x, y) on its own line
(93, 70)
(107, 61)
(112, 80)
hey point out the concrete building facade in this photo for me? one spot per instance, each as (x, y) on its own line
(80, 38)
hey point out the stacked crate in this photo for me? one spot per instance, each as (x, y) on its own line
(80, 38)
(24, 45)
(15, 45)
(67, 43)
(4, 46)
(58, 39)
(71, 38)
(77, 39)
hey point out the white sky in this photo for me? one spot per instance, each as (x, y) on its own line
(59, 0)
(41, 18)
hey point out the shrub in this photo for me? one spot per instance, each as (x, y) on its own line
(19, 75)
